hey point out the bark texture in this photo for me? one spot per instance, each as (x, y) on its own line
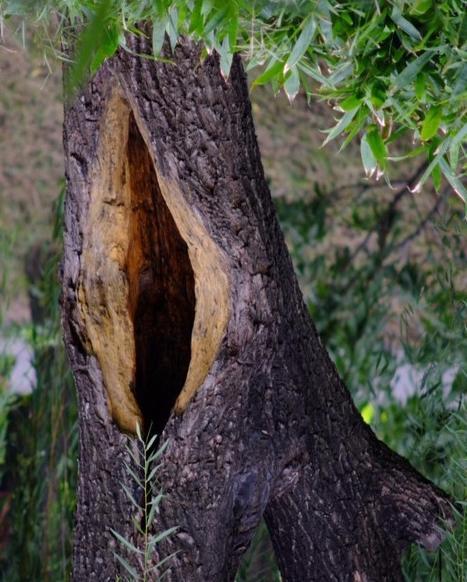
(263, 424)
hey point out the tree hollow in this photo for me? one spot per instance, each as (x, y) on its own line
(153, 291)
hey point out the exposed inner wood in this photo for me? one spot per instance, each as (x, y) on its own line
(154, 292)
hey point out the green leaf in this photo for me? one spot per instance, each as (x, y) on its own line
(420, 7)
(134, 575)
(233, 25)
(292, 84)
(226, 57)
(454, 180)
(461, 81)
(368, 412)
(274, 69)
(303, 42)
(407, 75)
(355, 127)
(368, 159)
(404, 24)
(420, 87)
(431, 123)
(436, 177)
(151, 441)
(138, 432)
(343, 123)
(158, 35)
(172, 26)
(126, 543)
(160, 450)
(154, 506)
(455, 146)
(350, 103)
(130, 496)
(377, 145)
(88, 46)
(441, 150)
(340, 74)
(153, 473)
(161, 536)
(196, 22)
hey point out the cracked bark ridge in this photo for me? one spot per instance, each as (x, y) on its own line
(263, 423)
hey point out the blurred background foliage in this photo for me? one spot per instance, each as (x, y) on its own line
(382, 270)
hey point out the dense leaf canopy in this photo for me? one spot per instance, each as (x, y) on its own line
(389, 68)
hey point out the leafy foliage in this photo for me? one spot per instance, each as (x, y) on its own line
(391, 67)
(39, 484)
(145, 512)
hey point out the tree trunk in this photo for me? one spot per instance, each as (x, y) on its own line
(182, 311)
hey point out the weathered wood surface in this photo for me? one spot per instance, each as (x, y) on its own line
(271, 429)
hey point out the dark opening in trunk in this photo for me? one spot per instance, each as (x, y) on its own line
(161, 291)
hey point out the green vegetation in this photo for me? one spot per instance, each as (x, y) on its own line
(39, 479)
(391, 67)
(146, 506)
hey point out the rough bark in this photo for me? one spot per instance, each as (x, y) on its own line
(180, 237)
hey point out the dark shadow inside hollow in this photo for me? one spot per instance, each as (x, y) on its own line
(161, 291)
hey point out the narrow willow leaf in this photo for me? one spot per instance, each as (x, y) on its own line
(350, 103)
(88, 45)
(196, 22)
(408, 74)
(233, 25)
(152, 512)
(226, 57)
(138, 432)
(356, 125)
(461, 81)
(133, 475)
(413, 153)
(161, 536)
(313, 73)
(368, 159)
(128, 568)
(274, 69)
(292, 84)
(420, 7)
(405, 24)
(130, 496)
(344, 122)
(161, 563)
(378, 147)
(303, 42)
(137, 525)
(126, 543)
(455, 146)
(340, 74)
(151, 441)
(161, 449)
(172, 27)
(431, 123)
(420, 87)
(454, 180)
(153, 473)
(442, 148)
(436, 177)
(158, 35)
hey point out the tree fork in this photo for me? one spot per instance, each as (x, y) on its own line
(181, 310)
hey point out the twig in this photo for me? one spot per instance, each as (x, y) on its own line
(386, 221)
(417, 231)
